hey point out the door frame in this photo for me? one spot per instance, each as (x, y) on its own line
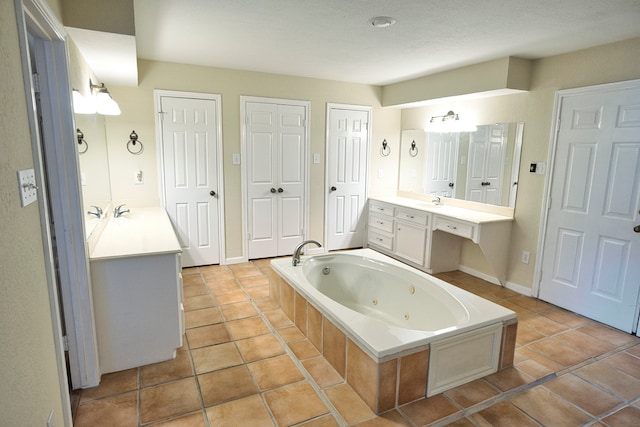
(157, 95)
(244, 172)
(553, 145)
(327, 184)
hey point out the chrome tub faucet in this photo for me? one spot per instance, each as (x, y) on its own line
(296, 253)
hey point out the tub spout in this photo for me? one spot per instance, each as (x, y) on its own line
(296, 253)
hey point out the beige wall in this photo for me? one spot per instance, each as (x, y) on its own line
(29, 386)
(605, 64)
(137, 105)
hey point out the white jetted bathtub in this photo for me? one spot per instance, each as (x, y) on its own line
(405, 321)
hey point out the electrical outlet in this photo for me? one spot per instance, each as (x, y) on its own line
(525, 257)
(235, 158)
(380, 173)
(316, 159)
(27, 187)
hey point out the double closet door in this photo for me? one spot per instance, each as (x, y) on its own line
(275, 149)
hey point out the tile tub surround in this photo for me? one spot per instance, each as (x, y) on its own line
(383, 384)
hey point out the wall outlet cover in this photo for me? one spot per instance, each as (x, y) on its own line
(27, 187)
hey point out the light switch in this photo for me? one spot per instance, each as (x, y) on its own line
(316, 159)
(138, 177)
(236, 158)
(27, 186)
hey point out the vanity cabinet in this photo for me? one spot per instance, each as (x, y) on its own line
(136, 286)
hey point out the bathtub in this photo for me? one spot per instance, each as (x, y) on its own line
(393, 313)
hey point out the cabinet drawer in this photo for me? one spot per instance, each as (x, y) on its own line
(458, 228)
(381, 208)
(381, 223)
(381, 240)
(416, 217)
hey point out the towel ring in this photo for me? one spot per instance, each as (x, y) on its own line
(81, 142)
(413, 151)
(133, 141)
(385, 150)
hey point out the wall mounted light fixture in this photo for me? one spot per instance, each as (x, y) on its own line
(82, 104)
(105, 105)
(450, 122)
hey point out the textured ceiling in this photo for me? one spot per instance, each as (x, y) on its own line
(333, 39)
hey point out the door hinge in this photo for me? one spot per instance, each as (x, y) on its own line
(35, 81)
(65, 342)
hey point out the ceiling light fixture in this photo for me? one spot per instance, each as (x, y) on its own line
(382, 21)
(450, 122)
(105, 105)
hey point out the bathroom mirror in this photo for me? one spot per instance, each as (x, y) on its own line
(481, 166)
(94, 164)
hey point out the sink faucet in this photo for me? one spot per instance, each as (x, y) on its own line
(296, 253)
(97, 213)
(437, 201)
(118, 212)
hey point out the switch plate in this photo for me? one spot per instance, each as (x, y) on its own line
(27, 187)
(380, 173)
(525, 257)
(316, 159)
(138, 177)
(236, 158)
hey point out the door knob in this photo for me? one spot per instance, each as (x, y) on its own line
(333, 188)
(451, 184)
(280, 190)
(273, 190)
(636, 228)
(212, 193)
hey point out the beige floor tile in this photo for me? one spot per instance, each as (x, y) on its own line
(238, 310)
(616, 382)
(322, 372)
(350, 406)
(582, 394)
(196, 419)
(295, 403)
(627, 416)
(212, 268)
(222, 286)
(426, 411)
(625, 363)
(472, 393)
(195, 290)
(207, 335)
(542, 324)
(324, 421)
(531, 304)
(304, 349)
(258, 291)
(557, 352)
(277, 318)
(503, 414)
(119, 410)
(525, 353)
(275, 372)
(226, 384)
(549, 409)
(584, 343)
(247, 272)
(260, 347)
(110, 384)
(508, 379)
(291, 334)
(231, 297)
(206, 316)
(246, 328)
(169, 399)
(534, 368)
(566, 317)
(215, 357)
(171, 370)
(217, 276)
(388, 419)
(266, 304)
(635, 350)
(611, 335)
(252, 281)
(198, 302)
(526, 335)
(241, 266)
(247, 412)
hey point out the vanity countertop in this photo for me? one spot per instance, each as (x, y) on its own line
(455, 212)
(143, 231)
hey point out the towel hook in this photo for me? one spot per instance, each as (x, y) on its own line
(385, 150)
(133, 141)
(81, 142)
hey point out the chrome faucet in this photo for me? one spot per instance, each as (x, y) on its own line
(437, 201)
(118, 212)
(296, 253)
(97, 213)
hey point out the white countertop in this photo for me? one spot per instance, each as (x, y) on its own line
(143, 231)
(463, 214)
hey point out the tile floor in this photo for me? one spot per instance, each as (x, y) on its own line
(243, 363)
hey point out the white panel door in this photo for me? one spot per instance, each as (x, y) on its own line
(347, 148)
(190, 163)
(486, 164)
(275, 147)
(440, 159)
(591, 254)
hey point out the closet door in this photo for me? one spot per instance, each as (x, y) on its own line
(275, 149)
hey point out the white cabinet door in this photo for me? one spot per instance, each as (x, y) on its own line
(410, 240)
(190, 174)
(347, 147)
(275, 147)
(591, 254)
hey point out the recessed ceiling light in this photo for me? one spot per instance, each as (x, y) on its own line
(382, 21)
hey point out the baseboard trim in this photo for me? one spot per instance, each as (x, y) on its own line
(521, 289)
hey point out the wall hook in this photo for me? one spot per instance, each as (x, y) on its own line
(134, 146)
(413, 150)
(385, 150)
(81, 142)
